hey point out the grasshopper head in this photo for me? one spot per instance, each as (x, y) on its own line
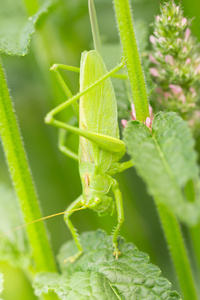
(100, 203)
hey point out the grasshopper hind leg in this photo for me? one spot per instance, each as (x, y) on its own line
(73, 206)
(120, 217)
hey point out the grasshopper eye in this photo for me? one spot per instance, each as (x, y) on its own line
(97, 200)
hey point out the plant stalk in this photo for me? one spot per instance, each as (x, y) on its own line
(137, 81)
(132, 58)
(195, 230)
(178, 252)
(94, 25)
(195, 237)
(21, 177)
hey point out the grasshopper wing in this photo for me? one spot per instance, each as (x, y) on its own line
(98, 110)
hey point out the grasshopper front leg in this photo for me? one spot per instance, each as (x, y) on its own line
(120, 216)
(63, 148)
(73, 206)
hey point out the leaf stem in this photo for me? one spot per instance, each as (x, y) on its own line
(178, 252)
(22, 181)
(94, 25)
(132, 58)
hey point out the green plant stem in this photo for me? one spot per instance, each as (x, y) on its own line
(94, 25)
(195, 237)
(194, 231)
(132, 58)
(22, 181)
(178, 252)
(170, 225)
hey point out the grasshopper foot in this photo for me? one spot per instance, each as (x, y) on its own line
(116, 253)
(73, 258)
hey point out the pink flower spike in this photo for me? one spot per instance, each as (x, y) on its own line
(183, 21)
(159, 54)
(167, 95)
(192, 90)
(148, 122)
(198, 114)
(192, 105)
(197, 71)
(176, 89)
(169, 18)
(161, 39)
(158, 18)
(182, 98)
(133, 113)
(150, 111)
(169, 60)
(187, 34)
(184, 49)
(178, 41)
(188, 61)
(176, 70)
(124, 123)
(153, 39)
(152, 59)
(159, 90)
(154, 72)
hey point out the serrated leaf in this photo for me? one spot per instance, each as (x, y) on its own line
(97, 275)
(13, 244)
(16, 27)
(166, 161)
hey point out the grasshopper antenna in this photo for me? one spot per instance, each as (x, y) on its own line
(94, 25)
(41, 219)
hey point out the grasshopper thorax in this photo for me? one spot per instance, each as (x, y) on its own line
(96, 186)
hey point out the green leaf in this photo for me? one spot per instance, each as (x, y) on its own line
(1, 283)
(16, 26)
(166, 161)
(96, 274)
(14, 245)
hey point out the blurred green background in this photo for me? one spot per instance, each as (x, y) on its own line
(60, 38)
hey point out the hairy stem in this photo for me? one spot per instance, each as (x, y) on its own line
(195, 230)
(195, 237)
(132, 58)
(178, 252)
(22, 181)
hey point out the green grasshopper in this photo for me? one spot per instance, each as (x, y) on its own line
(100, 148)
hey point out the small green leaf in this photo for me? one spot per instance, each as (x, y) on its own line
(166, 161)
(97, 275)
(16, 26)
(14, 245)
